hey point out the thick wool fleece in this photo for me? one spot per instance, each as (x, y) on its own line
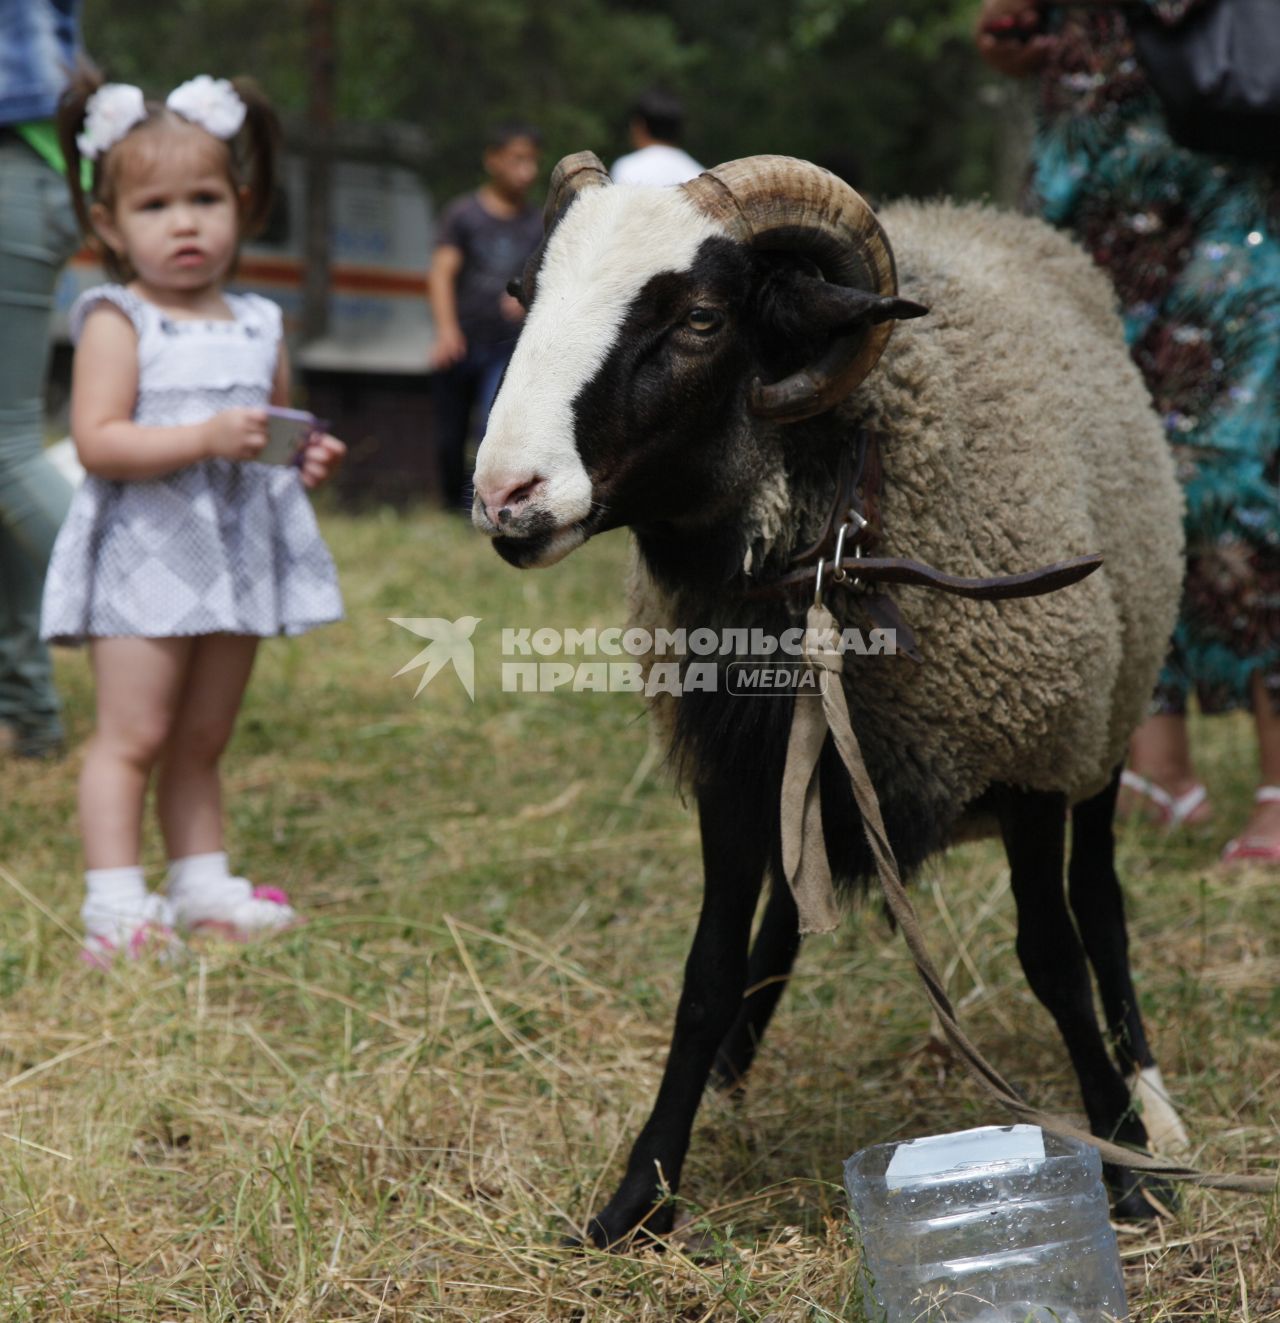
(1015, 431)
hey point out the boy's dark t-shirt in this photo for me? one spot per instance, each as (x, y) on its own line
(494, 251)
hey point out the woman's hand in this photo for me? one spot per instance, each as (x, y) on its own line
(321, 458)
(1001, 39)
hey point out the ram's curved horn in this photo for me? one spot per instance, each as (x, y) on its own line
(571, 175)
(780, 202)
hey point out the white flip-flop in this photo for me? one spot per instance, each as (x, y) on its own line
(1252, 849)
(1174, 809)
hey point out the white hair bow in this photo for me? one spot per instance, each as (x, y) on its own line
(115, 108)
(210, 102)
(108, 115)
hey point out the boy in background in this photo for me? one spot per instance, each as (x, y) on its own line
(655, 126)
(482, 243)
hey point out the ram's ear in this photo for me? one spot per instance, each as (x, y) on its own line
(836, 308)
(818, 318)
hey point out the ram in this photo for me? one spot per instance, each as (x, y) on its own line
(697, 364)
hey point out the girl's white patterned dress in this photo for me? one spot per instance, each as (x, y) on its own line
(216, 547)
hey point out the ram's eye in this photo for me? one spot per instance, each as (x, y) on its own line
(515, 287)
(703, 320)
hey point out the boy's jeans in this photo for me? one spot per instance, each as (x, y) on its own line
(462, 396)
(37, 235)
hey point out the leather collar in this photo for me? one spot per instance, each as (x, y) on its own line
(856, 509)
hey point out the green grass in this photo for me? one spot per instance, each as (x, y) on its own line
(397, 1111)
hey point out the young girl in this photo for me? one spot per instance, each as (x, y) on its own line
(179, 551)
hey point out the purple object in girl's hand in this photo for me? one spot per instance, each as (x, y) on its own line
(288, 431)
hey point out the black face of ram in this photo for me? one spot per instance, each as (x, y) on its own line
(629, 405)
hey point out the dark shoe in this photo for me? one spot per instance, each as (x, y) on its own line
(40, 745)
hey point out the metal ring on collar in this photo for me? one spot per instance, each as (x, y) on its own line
(838, 573)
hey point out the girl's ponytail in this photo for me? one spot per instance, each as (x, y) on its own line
(259, 150)
(85, 81)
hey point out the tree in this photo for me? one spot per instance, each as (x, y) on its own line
(887, 91)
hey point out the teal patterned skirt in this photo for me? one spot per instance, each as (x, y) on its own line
(1192, 243)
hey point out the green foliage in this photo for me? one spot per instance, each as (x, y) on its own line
(158, 46)
(882, 90)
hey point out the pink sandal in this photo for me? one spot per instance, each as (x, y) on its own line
(263, 913)
(1255, 849)
(1174, 810)
(147, 939)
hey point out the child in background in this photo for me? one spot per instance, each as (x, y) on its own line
(179, 551)
(482, 243)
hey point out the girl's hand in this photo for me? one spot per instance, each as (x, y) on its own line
(1003, 40)
(236, 433)
(321, 458)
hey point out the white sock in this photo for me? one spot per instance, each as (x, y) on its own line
(118, 888)
(204, 892)
(117, 902)
(196, 870)
(201, 887)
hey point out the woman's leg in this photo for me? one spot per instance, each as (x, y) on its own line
(188, 790)
(1160, 752)
(28, 702)
(37, 234)
(139, 682)
(1263, 826)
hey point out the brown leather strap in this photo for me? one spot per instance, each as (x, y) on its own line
(870, 489)
(858, 468)
(859, 482)
(894, 569)
(884, 614)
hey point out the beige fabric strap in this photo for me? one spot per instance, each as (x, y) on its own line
(808, 874)
(804, 848)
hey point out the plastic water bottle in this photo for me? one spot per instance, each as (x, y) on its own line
(1003, 1224)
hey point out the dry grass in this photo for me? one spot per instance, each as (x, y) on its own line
(395, 1112)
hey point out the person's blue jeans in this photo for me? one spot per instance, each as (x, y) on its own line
(37, 235)
(463, 395)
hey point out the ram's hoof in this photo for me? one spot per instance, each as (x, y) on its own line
(620, 1230)
(728, 1079)
(1136, 1197)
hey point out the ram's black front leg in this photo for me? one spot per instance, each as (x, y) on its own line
(735, 848)
(772, 955)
